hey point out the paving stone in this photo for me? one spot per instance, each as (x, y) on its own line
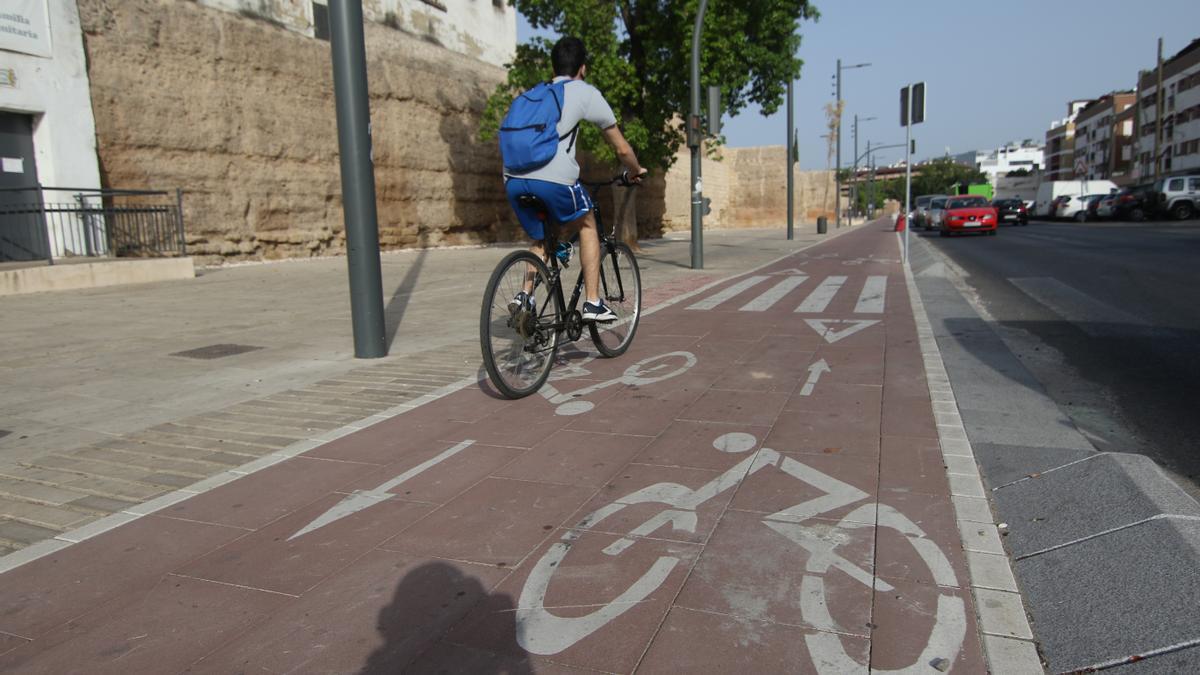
(1115, 595)
(24, 533)
(27, 490)
(39, 514)
(1087, 498)
(376, 615)
(991, 571)
(1002, 613)
(916, 624)
(1006, 655)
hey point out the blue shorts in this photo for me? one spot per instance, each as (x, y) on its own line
(565, 203)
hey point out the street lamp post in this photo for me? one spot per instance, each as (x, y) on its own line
(837, 176)
(854, 191)
(694, 134)
(791, 124)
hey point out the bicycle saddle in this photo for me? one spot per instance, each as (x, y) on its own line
(532, 202)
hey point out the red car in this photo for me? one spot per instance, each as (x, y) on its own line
(969, 213)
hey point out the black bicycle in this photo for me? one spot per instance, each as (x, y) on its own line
(520, 339)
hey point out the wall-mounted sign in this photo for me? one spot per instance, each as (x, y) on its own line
(24, 28)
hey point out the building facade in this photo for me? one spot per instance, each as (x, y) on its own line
(483, 30)
(47, 131)
(1103, 137)
(1175, 132)
(1060, 144)
(1027, 156)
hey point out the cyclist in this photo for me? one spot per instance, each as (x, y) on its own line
(557, 184)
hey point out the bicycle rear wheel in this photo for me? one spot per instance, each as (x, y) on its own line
(519, 342)
(621, 288)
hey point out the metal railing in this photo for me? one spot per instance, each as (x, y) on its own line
(48, 223)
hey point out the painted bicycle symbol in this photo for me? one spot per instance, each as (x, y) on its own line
(539, 631)
(647, 371)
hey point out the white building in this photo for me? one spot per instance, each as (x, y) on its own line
(1179, 146)
(47, 131)
(480, 29)
(1006, 158)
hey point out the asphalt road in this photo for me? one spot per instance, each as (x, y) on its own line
(1107, 317)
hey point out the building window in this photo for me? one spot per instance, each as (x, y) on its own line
(320, 21)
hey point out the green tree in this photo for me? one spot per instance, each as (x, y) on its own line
(640, 51)
(938, 175)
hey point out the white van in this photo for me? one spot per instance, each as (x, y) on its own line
(1050, 190)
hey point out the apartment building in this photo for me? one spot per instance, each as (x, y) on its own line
(1103, 138)
(1009, 157)
(1060, 144)
(1178, 146)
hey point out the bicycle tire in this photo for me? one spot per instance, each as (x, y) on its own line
(502, 286)
(629, 310)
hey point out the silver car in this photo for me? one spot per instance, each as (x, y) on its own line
(921, 210)
(935, 212)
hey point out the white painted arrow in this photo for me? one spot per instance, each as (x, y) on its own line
(814, 374)
(825, 327)
(362, 499)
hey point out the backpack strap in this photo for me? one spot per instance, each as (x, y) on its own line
(574, 132)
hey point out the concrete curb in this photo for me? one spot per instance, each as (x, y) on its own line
(1104, 545)
(1007, 637)
(47, 547)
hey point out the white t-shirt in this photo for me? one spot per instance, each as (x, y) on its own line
(581, 102)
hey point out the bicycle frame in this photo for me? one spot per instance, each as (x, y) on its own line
(549, 248)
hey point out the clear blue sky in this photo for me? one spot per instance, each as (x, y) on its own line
(996, 71)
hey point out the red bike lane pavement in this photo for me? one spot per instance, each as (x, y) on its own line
(756, 485)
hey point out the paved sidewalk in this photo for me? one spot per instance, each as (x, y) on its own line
(104, 403)
(757, 485)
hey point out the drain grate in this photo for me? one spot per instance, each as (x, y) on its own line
(216, 351)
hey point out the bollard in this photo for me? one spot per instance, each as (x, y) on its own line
(822, 224)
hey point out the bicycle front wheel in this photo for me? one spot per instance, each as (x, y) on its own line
(621, 288)
(519, 338)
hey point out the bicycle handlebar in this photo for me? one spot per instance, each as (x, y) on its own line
(621, 179)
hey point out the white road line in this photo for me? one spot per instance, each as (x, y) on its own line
(822, 295)
(870, 301)
(717, 298)
(773, 294)
(1092, 316)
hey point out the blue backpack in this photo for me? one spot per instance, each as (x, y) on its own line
(529, 132)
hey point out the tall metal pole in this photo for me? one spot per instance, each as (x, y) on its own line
(854, 181)
(907, 180)
(837, 176)
(358, 177)
(791, 150)
(694, 137)
(870, 182)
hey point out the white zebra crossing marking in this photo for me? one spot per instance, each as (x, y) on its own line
(870, 301)
(773, 294)
(822, 295)
(717, 298)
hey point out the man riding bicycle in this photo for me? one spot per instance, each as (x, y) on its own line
(556, 184)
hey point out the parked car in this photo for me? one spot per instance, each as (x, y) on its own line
(920, 209)
(1093, 206)
(1178, 196)
(968, 213)
(1074, 207)
(1011, 210)
(1050, 190)
(933, 214)
(1133, 203)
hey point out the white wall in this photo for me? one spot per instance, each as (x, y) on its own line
(55, 91)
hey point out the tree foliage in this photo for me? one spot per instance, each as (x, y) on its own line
(931, 178)
(640, 54)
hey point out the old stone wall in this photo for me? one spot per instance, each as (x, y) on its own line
(748, 188)
(240, 114)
